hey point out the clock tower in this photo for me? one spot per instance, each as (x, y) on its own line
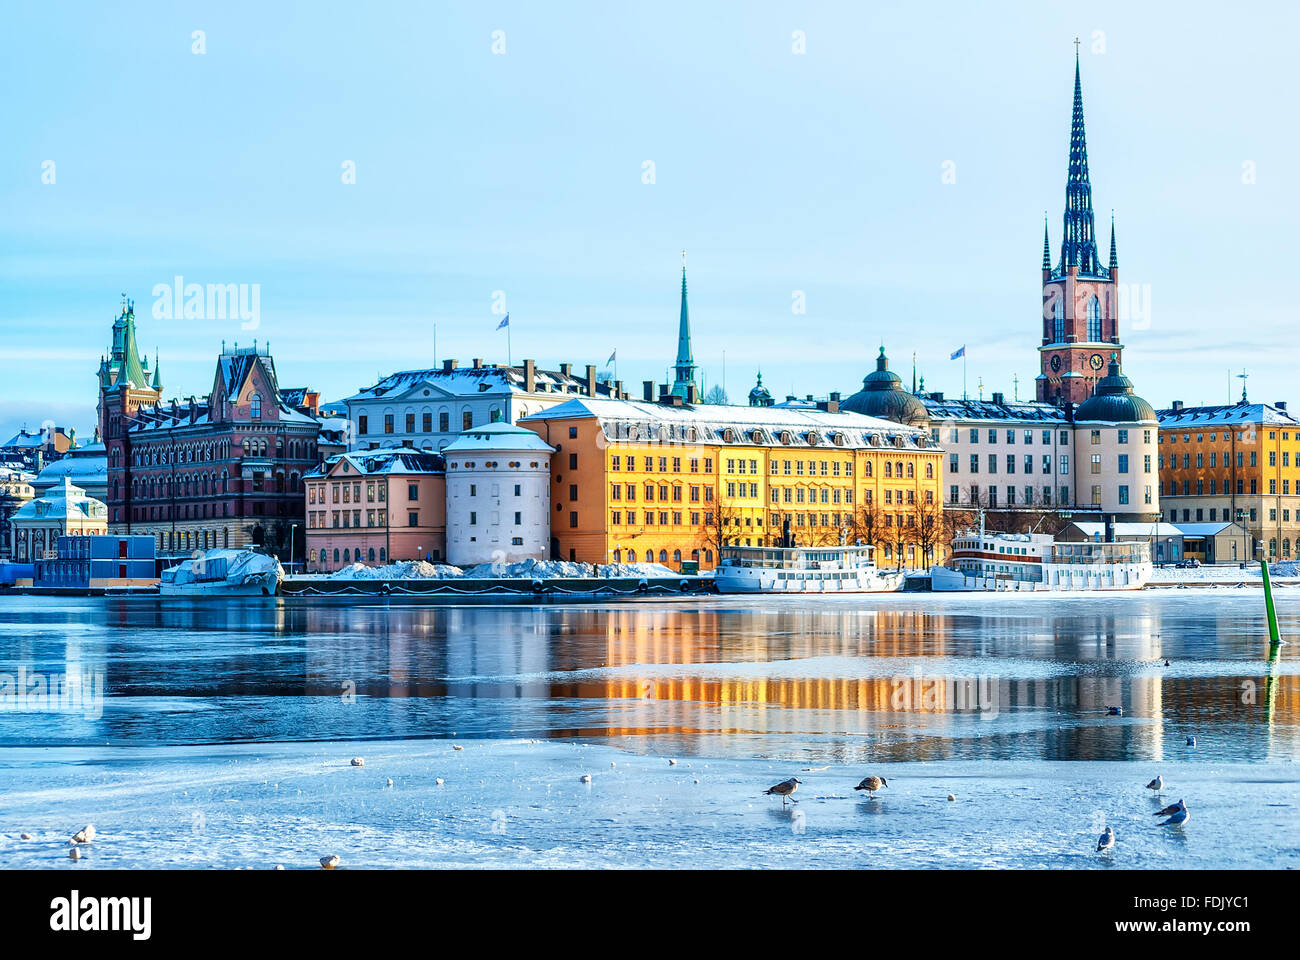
(1080, 305)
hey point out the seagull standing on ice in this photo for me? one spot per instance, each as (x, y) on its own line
(871, 785)
(1177, 814)
(784, 789)
(1157, 784)
(1106, 840)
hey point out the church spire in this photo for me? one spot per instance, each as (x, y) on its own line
(1047, 246)
(1078, 239)
(684, 368)
(1114, 257)
(157, 375)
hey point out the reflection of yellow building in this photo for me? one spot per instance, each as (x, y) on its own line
(672, 482)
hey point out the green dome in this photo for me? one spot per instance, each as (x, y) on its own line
(1113, 400)
(882, 395)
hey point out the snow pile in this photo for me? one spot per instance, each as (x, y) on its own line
(1282, 568)
(402, 570)
(533, 569)
(524, 569)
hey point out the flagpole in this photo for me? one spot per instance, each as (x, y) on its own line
(510, 362)
(964, 394)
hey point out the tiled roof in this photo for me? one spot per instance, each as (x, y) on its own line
(1225, 414)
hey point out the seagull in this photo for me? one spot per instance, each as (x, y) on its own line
(1106, 840)
(672, 763)
(85, 835)
(330, 862)
(1177, 813)
(1166, 661)
(358, 762)
(585, 778)
(871, 785)
(457, 747)
(784, 789)
(952, 796)
(1157, 784)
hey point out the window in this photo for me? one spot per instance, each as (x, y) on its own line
(573, 433)
(444, 421)
(363, 424)
(388, 423)
(410, 423)
(466, 420)
(412, 491)
(1123, 462)
(255, 407)
(1094, 320)
(412, 519)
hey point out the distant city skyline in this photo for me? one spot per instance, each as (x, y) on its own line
(889, 176)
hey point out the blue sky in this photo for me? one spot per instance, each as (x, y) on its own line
(522, 172)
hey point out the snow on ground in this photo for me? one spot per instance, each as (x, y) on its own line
(522, 804)
(403, 570)
(1225, 573)
(530, 569)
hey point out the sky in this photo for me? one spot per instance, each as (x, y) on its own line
(841, 175)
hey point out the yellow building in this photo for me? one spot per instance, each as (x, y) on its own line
(1234, 462)
(672, 482)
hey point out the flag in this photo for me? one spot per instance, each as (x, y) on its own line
(505, 322)
(611, 357)
(959, 352)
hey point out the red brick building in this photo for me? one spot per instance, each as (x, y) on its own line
(223, 470)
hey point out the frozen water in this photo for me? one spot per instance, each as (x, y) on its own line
(225, 730)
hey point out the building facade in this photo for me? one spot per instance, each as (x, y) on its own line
(64, 510)
(672, 482)
(224, 470)
(498, 496)
(428, 409)
(15, 490)
(375, 507)
(1234, 462)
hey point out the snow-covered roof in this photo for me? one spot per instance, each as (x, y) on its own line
(63, 500)
(504, 437)
(1095, 529)
(473, 381)
(1016, 411)
(635, 420)
(1205, 529)
(1239, 413)
(23, 439)
(385, 460)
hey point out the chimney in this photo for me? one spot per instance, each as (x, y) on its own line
(829, 406)
(591, 379)
(648, 391)
(835, 396)
(1178, 405)
(566, 369)
(449, 365)
(675, 399)
(478, 362)
(692, 393)
(664, 394)
(1281, 404)
(530, 376)
(616, 389)
(999, 398)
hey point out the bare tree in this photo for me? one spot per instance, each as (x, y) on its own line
(721, 526)
(930, 529)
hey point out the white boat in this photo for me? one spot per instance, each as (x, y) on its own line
(242, 573)
(836, 569)
(983, 560)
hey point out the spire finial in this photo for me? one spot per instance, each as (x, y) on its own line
(1114, 256)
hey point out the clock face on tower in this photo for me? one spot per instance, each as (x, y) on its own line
(1096, 361)
(1056, 363)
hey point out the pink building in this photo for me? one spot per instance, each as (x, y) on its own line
(374, 507)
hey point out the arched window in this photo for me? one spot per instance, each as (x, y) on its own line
(336, 554)
(663, 556)
(631, 556)
(1058, 322)
(383, 555)
(677, 556)
(255, 407)
(1094, 320)
(371, 555)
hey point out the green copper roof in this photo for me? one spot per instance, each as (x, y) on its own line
(684, 368)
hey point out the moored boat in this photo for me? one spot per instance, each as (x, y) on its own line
(245, 573)
(832, 569)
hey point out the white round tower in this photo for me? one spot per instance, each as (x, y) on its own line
(498, 496)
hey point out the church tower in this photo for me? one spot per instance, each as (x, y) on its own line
(684, 384)
(1080, 302)
(123, 388)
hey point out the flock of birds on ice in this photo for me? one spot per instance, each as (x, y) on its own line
(1177, 813)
